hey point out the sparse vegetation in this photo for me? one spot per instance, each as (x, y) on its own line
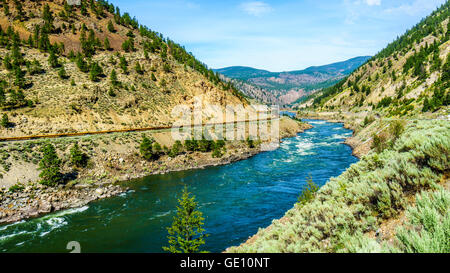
(357, 201)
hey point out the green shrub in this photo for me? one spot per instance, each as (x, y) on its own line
(308, 193)
(176, 149)
(376, 187)
(77, 157)
(17, 188)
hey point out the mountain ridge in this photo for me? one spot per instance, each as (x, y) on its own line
(287, 87)
(90, 67)
(315, 68)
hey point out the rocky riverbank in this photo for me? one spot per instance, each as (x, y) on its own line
(29, 200)
(35, 200)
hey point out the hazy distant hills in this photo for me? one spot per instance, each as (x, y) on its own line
(284, 88)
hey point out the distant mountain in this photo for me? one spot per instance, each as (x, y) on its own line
(285, 88)
(243, 72)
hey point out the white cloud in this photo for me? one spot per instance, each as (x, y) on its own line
(417, 7)
(256, 8)
(373, 2)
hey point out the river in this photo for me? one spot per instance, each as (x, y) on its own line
(236, 199)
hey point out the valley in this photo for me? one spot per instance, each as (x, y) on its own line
(90, 99)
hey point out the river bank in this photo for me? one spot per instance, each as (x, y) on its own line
(258, 190)
(361, 141)
(111, 163)
(359, 211)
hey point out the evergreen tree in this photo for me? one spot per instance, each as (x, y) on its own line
(50, 166)
(2, 96)
(77, 157)
(107, 44)
(186, 235)
(81, 63)
(19, 77)
(123, 64)
(138, 68)
(30, 41)
(83, 9)
(176, 149)
(111, 27)
(113, 78)
(191, 145)
(44, 42)
(5, 121)
(95, 72)
(62, 73)
(47, 16)
(7, 62)
(53, 59)
(146, 149)
(35, 67)
(19, 8)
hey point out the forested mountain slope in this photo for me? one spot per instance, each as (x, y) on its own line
(409, 77)
(91, 67)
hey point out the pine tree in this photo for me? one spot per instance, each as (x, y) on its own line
(7, 62)
(113, 78)
(123, 64)
(19, 8)
(186, 235)
(111, 27)
(95, 72)
(62, 73)
(107, 44)
(81, 63)
(5, 121)
(50, 166)
(77, 157)
(48, 19)
(19, 77)
(176, 149)
(53, 59)
(83, 9)
(146, 149)
(138, 68)
(2, 96)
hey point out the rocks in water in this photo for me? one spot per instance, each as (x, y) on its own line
(35, 200)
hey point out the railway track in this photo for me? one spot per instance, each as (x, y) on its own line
(161, 128)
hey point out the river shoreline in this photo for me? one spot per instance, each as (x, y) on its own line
(353, 142)
(360, 147)
(34, 200)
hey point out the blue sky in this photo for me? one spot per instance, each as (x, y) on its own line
(279, 35)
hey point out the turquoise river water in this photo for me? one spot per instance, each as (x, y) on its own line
(236, 199)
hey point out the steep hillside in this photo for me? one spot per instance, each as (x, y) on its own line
(87, 68)
(285, 88)
(409, 77)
